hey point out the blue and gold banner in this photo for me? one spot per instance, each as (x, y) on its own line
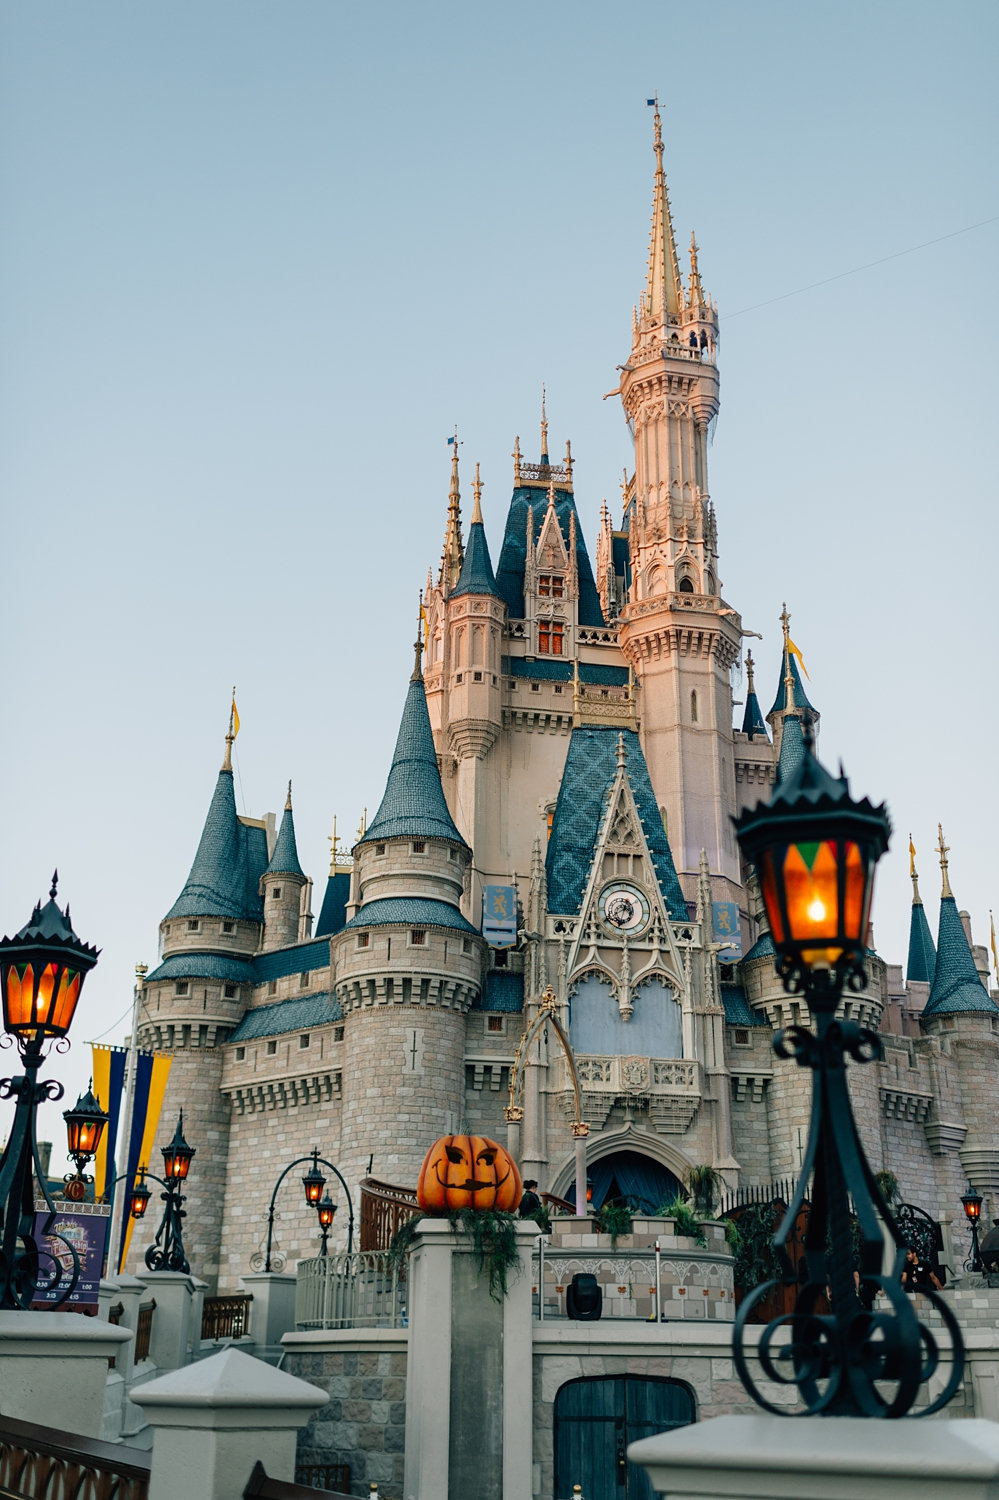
(151, 1073)
(109, 1087)
(726, 928)
(499, 915)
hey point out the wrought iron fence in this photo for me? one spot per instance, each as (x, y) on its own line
(383, 1209)
(363, 1290)
(260, 1486)
(144, 1330)
(225, 1317)
(36, 1461)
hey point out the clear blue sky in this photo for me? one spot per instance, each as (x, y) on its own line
(258, 260)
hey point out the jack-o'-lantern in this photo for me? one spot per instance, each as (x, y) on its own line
(468, 1171)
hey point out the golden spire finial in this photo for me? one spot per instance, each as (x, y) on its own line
(663, 299)
(454, 552)
(624, 488)
(418, 644)
(233, 731)
(785, 625)
(696, 290)
(363, 827)
(944, 851)
(916, 898)
(551, 494)
(515, 455)
(477, 492)
(333, 841)
(568, 461)
(287, 800)
(544, 428)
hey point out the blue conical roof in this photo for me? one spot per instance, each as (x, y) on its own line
(753, 722)
(798, 694)
(284, 860)
(476, 576)
(413, 805)
(922, 958)
(792, 748)
(231, 858)
(957, 984)
(513, 553)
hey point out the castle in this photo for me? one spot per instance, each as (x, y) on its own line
(558, 813)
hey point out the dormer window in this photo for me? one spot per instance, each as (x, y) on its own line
(551, 586)
(551, 638)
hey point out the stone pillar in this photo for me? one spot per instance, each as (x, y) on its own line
(473, 1440)
(837, 1458)
(213, 1420)
(272, 1312)
(53, 1368)
(176, 1330)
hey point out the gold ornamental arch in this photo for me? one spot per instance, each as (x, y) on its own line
(514, 1111)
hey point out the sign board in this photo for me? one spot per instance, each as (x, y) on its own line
(726, 928)
(499, 915)
(84, 1226)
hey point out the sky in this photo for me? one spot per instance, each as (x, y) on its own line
(258, 261)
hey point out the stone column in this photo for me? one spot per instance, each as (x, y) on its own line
(272, 1312)
(176, 1330)
(823, 1458)
(53, 1368)
(469, 1373)
(212, 1421)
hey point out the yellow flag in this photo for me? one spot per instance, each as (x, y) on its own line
(995, 956)
(912, 857)
(426, 626)
(235, 717)
(797, 654)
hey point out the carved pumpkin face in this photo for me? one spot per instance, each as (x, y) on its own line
(468, 1171)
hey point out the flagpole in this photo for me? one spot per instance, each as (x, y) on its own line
(120, 1193)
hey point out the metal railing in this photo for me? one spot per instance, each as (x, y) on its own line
(363, 1290)
(225, 1317)
(36, 1461)
(383, 1209)
(144, 1330)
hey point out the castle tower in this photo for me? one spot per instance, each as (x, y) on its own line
(407, 966)
(791, 707)
(961, 1015)
(284, 889)
(195, 998)
(674, 627)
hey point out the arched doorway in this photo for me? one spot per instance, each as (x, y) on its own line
(633, 1178)
(595, 1420)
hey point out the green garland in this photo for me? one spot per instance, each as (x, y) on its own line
(493, 1237)
(614, 1219)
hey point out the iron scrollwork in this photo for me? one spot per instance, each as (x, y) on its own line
(854, 1345)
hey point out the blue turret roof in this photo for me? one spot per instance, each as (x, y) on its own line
(798, 694)
(590, 769)
(288, 1015)
(753, 722)
(333, 913)
(922, 958)
(284, 860)
(413, 805)
(513, 555)
(792, 748)
(410, 911)
(957, 984)
(762, 948)
(476, 576)
(225, 877)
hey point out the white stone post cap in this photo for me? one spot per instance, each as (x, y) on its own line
(153, 1279)
(824, 1458)
(127, 1283)
(59, 1334)
(280, 1278)
(229, 1390)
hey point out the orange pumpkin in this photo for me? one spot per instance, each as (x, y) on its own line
(468, 1171)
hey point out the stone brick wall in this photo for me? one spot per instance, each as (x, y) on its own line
(364, 1424)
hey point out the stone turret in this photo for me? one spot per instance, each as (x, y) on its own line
(284, 890)
(195, 998)
(407, 964)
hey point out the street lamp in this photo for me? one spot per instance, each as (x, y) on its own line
(85, 1124)
(166, 1253)
(313, 1183)
(973, 1212)
(42, 969)
(326, 1209)
(815, 850)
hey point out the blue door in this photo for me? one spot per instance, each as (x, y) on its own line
(596, 1419)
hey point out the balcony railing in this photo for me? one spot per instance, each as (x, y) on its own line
(363, 1290)
(225, 1317)
(39, 1461)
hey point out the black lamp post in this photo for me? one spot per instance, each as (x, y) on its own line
(815, 850)
(166, 1253)
(313, 1183)
(972, 1202)
(326, 1209)
(42, 970)
(85, 1124)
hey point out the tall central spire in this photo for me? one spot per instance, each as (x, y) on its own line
(663, 300)
(453, 554)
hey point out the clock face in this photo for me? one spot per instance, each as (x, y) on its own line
(623, 907)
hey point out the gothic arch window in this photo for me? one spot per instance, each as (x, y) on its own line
(653, 580)
(710, 585)
(685, 586)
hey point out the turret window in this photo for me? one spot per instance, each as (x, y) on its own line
(193, 925)
(551, 586)
(271, 1049)
(418, 937)
(476, 676)
(419, 847)
(276, 893)
(379, 848)
(240, 1054)
(303, 980)
(230, 992)
(551, 638)
(181, 987)
(363, 939)
(228, 927)
(693, 708)
(685, 586)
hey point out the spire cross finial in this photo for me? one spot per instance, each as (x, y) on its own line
(944, 851)
(333, 841)
(916, 898)
(477, 492)
(620, 750)
(568, 461)
(551, 492)
(544, 427)
(515, 455)
(54, 886)
(227, 758)
(749, 672)
(287, 805)
(785, 621)
(418, 645)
